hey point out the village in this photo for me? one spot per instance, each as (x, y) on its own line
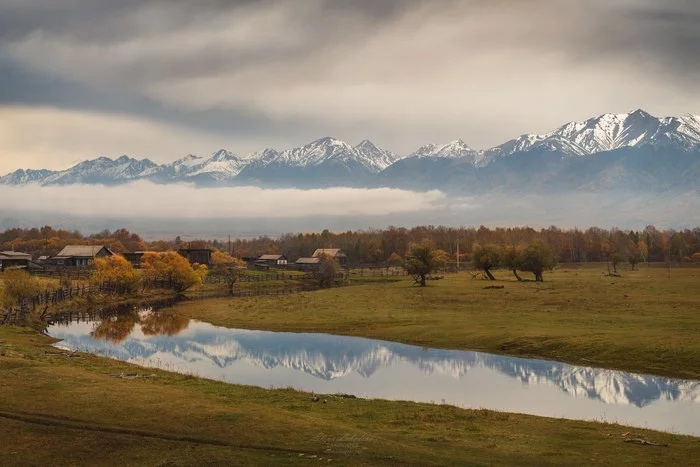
(237, 337)
(74, 258)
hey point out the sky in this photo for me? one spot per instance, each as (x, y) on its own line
(165, 78)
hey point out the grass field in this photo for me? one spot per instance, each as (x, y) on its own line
(641, 322)
(62, 409)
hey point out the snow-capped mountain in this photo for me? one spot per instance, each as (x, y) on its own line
(221, 165)
(609, 132)
(613, 151)
(457, 149)
(375, 158)
(328, 150)
(24, 177)
(102, 170)
(323, 162)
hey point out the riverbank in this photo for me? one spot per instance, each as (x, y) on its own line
(642, 322)
(83, 409)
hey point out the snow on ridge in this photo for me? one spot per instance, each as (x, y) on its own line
(603, 133)
(608, 132)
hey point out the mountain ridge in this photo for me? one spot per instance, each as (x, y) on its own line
(329, 161)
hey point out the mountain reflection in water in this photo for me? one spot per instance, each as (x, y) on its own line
(325, 363)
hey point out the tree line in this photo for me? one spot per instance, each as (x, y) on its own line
(568, 245)
(375, 246)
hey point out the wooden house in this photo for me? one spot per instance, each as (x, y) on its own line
(77, 256)
(308, 264)
(196, 255)
(15, 260)
(335, 253)
(273, 260)
(134, 257)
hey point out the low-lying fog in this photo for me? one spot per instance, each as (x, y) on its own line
(163, 211)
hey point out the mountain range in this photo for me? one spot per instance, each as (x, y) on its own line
(629, 151)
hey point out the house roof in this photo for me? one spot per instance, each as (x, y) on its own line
(271, 257)
(14, 255)
(308, 261)
(332, 252)
(83, 251)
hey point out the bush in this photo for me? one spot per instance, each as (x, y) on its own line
(19, 285)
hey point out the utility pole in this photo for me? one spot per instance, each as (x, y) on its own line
(457, 255)
(229, 246)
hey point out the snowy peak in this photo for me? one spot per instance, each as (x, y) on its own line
(457, 149)
(328, 150)
(23, 177)
(374, 157)
(220, 165)
(329, 161)
(609, 132)
(101, 170)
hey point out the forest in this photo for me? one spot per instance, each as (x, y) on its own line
(376, 246)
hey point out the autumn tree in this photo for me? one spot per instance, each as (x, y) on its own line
(487, 257)
(635, 255)
(395, 260)
(227, 268)
(536, 258)
(327, 270)
(172, 269)
(643, 250)
(422, 259)
(116, 273)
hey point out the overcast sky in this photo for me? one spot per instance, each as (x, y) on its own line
(164, 78)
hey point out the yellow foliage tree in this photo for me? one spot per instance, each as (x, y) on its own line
(171, 269)
(227, 268)
(116, 273)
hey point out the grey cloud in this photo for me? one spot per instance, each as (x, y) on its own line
(402, 72)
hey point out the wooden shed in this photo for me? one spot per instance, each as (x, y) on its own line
(196, 255)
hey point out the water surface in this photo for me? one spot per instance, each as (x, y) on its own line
(324, 363)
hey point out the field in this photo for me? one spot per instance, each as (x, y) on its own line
(58, 408)
(641, 322)
(78, 409)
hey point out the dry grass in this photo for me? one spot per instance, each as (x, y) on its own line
(640, 322)
(57, 410)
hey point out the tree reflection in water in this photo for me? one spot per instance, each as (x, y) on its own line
(114, 327)
(163, 323)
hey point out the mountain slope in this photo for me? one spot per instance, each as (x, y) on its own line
(608, 132)
(323, 162)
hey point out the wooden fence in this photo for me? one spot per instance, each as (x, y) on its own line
(20, 313)
(279, 276)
